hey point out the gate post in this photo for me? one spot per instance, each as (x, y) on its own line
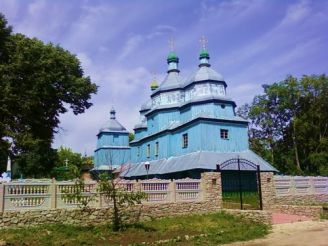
(240, 186)
(259, 188)
(268, 190)
(212, 187)
(2, 195)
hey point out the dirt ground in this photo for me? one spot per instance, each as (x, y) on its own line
(306, 233)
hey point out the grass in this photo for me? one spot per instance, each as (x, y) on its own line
(251, 200)
(205, 229)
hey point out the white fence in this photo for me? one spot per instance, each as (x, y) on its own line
(298, 185)
(33, 195)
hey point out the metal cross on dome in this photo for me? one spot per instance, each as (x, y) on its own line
(203, 42)
(171, 44)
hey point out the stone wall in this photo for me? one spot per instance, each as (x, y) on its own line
(212, 187)
(102, 215)
(268, 190)
(309, 211)
(259, 216)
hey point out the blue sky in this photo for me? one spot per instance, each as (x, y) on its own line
(122, 43)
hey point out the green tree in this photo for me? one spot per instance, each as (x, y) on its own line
(5, 32)
(290, 119)
(68, 164)
(39, 82)
(121, 198)
(67, 155)
(131, 136)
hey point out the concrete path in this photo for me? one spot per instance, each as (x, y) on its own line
(305, 233)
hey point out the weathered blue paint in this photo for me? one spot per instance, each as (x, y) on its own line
(112, 145)
(197, 106)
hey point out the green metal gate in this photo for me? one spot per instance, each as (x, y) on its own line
(241, 184)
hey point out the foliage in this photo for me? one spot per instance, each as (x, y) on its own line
(5, 32)
(204, 229)
(38, 83)
(69, 164)
(67, 154)
(289, 124)
(131, 136)
(111, 189)
(79, 196)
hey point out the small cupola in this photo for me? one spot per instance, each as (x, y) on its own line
(112, 113)
(204, 56)
(154, 84)
(172, 59)
(112, 125)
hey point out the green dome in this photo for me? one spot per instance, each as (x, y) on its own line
(172, 57)
(204, 54)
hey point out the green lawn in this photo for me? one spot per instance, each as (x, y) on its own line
(251, 200)
(209, 229)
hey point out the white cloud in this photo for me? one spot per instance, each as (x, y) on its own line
(131, 45)
(118, 88)
(135, 41)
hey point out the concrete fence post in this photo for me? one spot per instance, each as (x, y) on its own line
(2, 195)
(312, 187)
(137, 186)
(53, 194)
(98, 198)
(172, 191)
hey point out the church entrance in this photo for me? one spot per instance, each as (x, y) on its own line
(241, 184)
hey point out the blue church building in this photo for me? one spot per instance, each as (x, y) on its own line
(187, 126)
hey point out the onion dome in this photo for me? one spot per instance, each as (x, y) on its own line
(205, 72)
(113, 125)
(172, 61)
(204, 58)
(173, 80)
(172, 57)
(154, 84)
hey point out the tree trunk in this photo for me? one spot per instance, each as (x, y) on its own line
(116, 216)
(298, 165)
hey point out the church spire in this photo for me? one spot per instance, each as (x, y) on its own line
(172, 58)
(204, 56)
(112, 113)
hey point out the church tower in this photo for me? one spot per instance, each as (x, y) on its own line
(112, 144)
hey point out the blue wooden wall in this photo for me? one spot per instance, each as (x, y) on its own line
(201, 136)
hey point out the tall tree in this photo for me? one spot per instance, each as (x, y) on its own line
(38, 83)
(295, 113)
(5, 32)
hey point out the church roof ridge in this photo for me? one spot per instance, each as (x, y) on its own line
(113, 125)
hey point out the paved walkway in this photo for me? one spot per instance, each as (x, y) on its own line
(305, 233)
(280, 218)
